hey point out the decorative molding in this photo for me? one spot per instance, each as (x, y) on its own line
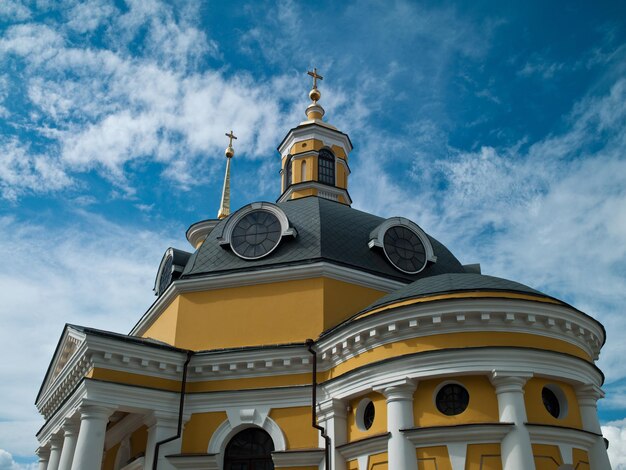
(193, 461)
(323, 190)
(270, 275)
(368, 446)
(463, 315)
(546, 434)
(482, 433)
(199, 231)
(136, 464)
(298, 458)
(314, 130)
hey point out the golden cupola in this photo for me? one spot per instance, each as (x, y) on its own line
(314, 156)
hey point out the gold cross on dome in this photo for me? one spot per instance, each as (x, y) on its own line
(231, 136)
(315, 77)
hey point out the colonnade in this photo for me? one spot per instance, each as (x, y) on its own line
(79, 443)
(515, 447)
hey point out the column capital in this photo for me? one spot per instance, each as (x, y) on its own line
(509, 381)
(94, 411)
(56, 441)
(161, 418)
(43, 453)
(589, 394)
(332, 408)
(70, 426)
(401, 389)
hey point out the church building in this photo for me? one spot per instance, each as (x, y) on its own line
(304, 334)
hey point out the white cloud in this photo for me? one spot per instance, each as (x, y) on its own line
(90, 272)
(14, 10)
(615, 432)
(7, 463)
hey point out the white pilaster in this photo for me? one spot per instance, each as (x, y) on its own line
(333, 416)
(161, 426)
(56, 444)
(90, 442)
(44, 456)
(399, 395)
(516, 450)
(588, 396)
(70, 432)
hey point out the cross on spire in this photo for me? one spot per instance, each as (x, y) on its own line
(315, 76)
(231, 136)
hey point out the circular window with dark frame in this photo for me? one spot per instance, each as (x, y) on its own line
(365, 414)
(404, 249)
(554, 401)
(452, 399)
(257, 234)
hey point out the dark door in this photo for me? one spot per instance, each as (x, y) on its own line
(251, 449)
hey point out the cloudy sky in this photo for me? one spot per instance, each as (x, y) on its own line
(499, 127)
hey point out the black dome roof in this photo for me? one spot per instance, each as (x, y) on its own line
(453, 282)
(327, 231)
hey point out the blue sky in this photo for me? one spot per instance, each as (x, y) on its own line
(498, 127)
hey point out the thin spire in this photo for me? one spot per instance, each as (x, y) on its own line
(225, 203)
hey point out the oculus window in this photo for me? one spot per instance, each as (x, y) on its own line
(404, 249)
(256, 235)
(554, 401)
(365, 414)
(452, 399)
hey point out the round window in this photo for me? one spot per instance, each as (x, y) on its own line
(554, 401)
(365, 414)
(452, 399)
(257, 234)
(404, 249)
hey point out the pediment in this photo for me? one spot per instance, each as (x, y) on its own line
(66, 349)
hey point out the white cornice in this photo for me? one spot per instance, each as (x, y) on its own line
(464, 434)
(367, 446)
(298, 458)
(459, 362)
(270, 275)
(542, 434)
(193, 462)
(314, 130)
(325, 191)
(462, 316)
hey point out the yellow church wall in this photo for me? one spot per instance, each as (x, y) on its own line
(352, 465)
(341, 176)
(379, 425)
(308, 467)
(199, 429)
(547, 457)
(433, 458)
(537, 413)
(378, 461)
(339, 152)
(580, 459)
(164, 327)
(109, 458)
(483, 457)
(255, 315)
(304, 193)
(138, 442)
(295, 422)
(342, 299)
(483, 404)
(453, 341)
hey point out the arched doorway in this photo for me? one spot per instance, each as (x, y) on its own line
(250, 449)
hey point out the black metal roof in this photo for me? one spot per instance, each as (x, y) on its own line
(453, 282)
(327, 231)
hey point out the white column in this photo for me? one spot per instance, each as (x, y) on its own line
(161, 426)
(56, 444)
(588, 396)
(90, 443)
(399, 395)
(70, 431)
(333, 415)
(516, 450)
(44, 456)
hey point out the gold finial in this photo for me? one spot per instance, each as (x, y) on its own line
(230, 151)
(315, 94)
